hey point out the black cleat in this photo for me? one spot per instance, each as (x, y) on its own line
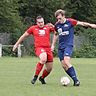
(76, 83)
(42, 80)
(34, 79)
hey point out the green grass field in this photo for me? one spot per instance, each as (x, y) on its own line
(16, 74)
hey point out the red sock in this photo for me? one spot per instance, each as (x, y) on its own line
(45, 73)
(38, 68)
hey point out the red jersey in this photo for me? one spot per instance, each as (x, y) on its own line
(41, 35)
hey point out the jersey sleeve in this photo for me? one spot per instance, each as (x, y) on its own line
(73, 21)
(52, 29)
(30, 30)
(56, 28)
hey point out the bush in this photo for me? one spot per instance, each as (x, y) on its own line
(7, 51)
(86, 50)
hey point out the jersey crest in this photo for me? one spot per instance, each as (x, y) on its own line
(41, 32)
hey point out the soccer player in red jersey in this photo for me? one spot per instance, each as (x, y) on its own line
(41, 33)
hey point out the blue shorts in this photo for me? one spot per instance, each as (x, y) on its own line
(67, 51)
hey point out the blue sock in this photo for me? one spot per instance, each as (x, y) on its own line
(71, 72)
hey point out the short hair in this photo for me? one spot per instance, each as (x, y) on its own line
(39, 17)
(60, 11)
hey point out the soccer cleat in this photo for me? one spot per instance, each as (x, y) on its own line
(76, 83)
(42, 80)
(34, 79)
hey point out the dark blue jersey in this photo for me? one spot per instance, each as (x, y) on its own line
(66, 32)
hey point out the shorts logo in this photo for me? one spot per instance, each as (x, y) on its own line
(65, 25)
(67, 54)
(42, 50)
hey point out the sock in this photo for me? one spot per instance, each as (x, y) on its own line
(38, 68)
(45, 73)
(71, 72)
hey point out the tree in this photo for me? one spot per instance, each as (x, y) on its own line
(84, 10)
(10, 21)
(29, 9)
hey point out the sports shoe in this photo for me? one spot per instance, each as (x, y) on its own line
(34, 79)
(76, 83)
(42, 80)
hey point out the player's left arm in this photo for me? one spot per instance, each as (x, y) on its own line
(50, 25)
(86, 24)
(55, 37)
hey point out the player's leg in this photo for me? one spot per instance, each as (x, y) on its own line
(48, 65)
(64, 56)
(66, 62)
(40, 64)
(70, 70)
(46, 72)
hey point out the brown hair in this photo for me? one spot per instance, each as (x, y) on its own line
(60, 11)
(39, 17)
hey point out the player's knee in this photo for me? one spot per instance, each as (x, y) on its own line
(49, 69)
(64, 67)
(43, 58)
(43, 61)
(67, 64)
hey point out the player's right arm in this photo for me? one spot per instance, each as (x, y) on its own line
(20, 40)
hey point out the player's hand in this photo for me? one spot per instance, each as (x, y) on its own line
(14, 48)
(93, 25)
(50, 25)
(52, 48)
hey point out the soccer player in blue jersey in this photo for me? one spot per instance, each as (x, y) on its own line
(65, 30)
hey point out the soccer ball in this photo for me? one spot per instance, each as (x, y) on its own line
(64, 81)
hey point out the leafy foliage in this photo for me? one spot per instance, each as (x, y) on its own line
(32, 8)
(84, 10)
(18, 15)
(9, 16)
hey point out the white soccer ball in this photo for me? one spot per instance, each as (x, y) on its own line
(65, 81)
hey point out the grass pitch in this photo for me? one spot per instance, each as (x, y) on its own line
(16, 74)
